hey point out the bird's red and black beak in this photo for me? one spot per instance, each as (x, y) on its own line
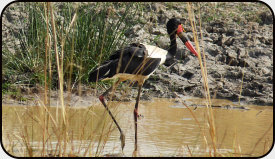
(185, 40)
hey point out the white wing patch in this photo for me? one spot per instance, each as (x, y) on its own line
(156, 52)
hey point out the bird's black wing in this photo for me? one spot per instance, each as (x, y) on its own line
(136, 61)
(131, 60)
(118, 61)
(134, 49)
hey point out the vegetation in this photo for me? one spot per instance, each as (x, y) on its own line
(57, 46)
(86, 35)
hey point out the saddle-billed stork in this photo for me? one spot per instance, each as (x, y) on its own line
(137, 62)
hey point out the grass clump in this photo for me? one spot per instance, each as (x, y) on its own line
(98, 28)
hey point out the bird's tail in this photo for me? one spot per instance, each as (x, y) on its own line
(99, 73)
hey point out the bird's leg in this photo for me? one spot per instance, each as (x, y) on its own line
(136, 115)
(101, 98)
(136, 110)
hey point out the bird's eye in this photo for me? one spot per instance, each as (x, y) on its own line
(182, 28)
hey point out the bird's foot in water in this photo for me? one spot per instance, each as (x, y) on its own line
(122, 139)
(135, 153)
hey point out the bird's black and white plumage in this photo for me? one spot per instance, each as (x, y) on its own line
(137, 62)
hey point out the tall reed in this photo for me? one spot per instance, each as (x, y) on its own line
(66, 39)
(202, 62)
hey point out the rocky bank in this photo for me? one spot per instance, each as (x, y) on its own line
(238, 51)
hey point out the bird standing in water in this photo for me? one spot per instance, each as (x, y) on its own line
(136, 63)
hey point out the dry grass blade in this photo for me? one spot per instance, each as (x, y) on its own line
(210, 115)
(59, 69)
(192, 113)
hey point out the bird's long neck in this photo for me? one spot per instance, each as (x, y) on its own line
(171, 51)
(173, 45)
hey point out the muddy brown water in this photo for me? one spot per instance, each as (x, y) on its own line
(167, 128)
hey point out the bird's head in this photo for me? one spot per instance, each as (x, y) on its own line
(175, 27)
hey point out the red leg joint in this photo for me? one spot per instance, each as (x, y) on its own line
(136, 112)
(101, 98)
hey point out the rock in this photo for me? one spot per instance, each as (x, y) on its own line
(158, 31)
(134, 31)
(242, 53)
(158, 7)
(209, 29)
(264, 71)
(163, 42)
(266, 18)
(230, 32)
(207, 39)
(229, 41)
(256, 53)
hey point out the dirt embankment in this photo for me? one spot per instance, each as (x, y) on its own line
(238, 47)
